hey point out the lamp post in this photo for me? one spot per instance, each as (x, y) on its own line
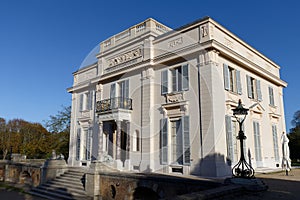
(242, 169)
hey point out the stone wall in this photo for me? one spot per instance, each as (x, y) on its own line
(31, 172)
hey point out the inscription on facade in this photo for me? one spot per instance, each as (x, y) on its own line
(176, 42)
(133, 54)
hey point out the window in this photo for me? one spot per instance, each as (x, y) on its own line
(86, 101)
(180, 141)
(275, 142)
(78, 144)
(254, 89)
(179, 79)
(271, 96)
(119, 94)
(257, 145)
(232, 79)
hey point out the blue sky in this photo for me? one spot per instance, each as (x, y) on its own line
(43, 41)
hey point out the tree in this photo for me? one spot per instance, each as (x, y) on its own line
(59, 126)
(61, 121)
(294, 137)
(24, 138)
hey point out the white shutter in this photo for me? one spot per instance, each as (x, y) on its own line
(226, 77)
(164, 141)
(257, 145)
(238, 82)
(126, 91)
(229, 138)
(185, 77)
(112, 96)
(275, 142)
(249, 87)
(258, 90)
(81, 102)
(185, 125)
(271, 96)
(164, 82)
(90, 100)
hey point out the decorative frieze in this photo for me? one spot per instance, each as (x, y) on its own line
(175, 97)
(133, 54)
(176, 42)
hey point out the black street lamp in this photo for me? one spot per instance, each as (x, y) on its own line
(242, 169)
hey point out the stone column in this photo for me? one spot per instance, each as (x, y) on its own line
(127, 164)
(118, 162)
(118, 141)
(100, 142)
(127, 139)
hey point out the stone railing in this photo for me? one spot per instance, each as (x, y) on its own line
(134, 31)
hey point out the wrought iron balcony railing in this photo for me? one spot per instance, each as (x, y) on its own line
(114, 103)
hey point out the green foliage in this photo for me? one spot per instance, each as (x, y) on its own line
(294, 137)
(60, 122)
(294, 143)
(59, 126)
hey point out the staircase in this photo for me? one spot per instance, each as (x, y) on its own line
(69, 185)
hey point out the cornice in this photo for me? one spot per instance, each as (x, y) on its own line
(251, 66)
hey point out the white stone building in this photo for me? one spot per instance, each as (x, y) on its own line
(161, 100)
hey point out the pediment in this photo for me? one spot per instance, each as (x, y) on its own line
(256, 108)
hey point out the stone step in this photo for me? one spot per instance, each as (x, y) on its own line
(67, 186)
(64, 183)
(43, 196)
(51, 194)
(71, 178)
(73, 191)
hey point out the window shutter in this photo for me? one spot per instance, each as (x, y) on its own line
(226, 77)
(164, 82)
(90, 100)
(271, 96)
(174, 73)
(258, 90)
(275, 142)
(257, 145)
(185, 121)
(126, 93)
(238, 82)
(250, 92)
(185, 77)
(229, 138)
(113, 90)
(81, 102)
(164, 141)
(78, 144)
(112, 96)
(88, 145)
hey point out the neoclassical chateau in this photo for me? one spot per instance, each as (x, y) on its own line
(160, 100)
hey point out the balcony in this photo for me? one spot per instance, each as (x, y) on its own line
(107, 105)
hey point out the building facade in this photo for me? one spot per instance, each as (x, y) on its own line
(161, 100)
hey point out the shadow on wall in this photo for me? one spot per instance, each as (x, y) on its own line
(213, 165)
